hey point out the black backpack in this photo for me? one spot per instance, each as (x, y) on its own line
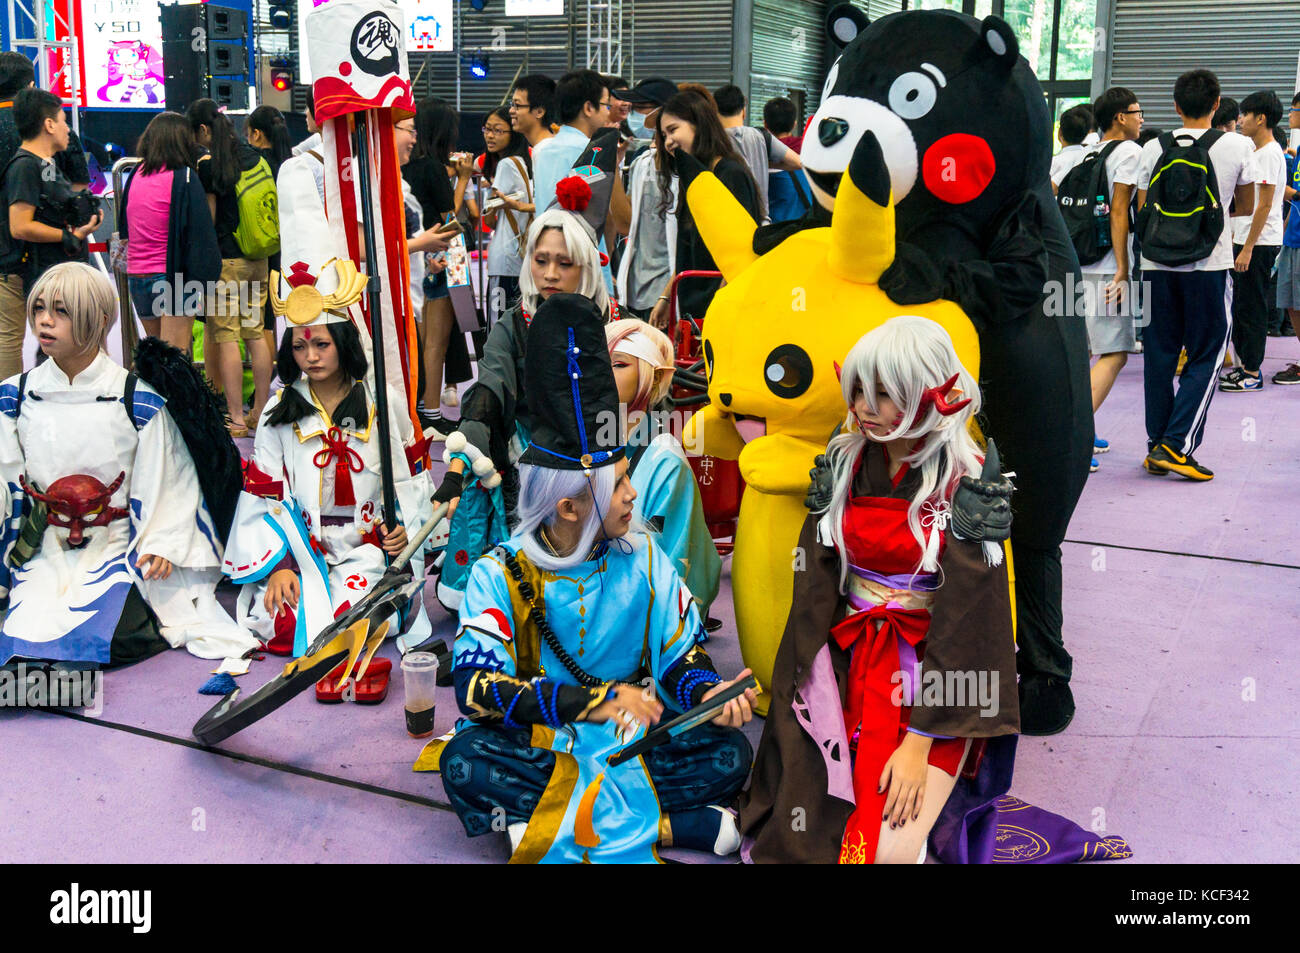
(1084, 200)
(1182, 219)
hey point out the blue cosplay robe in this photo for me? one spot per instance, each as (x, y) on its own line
(622, 614)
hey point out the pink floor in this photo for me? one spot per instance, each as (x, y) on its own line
(1182, 605)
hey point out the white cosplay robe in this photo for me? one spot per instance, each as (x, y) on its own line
(289, 485)
(65, 603)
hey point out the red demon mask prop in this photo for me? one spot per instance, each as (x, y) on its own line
(77, 502)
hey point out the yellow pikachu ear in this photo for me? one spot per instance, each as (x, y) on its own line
(727, 229)
(862, 225)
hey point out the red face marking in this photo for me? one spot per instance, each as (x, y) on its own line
(306, 334)
(958, 168)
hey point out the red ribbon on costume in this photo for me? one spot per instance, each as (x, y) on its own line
(872, 684)
(346, 462)
(260, 483)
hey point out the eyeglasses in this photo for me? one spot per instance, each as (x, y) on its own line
(1133, 112)
(603, 104)
(514, 105)
(409, 130)
(495, 130)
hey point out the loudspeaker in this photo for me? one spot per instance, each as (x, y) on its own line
(205, 55)
(231, 93)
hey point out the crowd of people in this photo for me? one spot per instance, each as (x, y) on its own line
(112, 517)
(1221, 280)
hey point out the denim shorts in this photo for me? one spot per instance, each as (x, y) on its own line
(144, 295)
(153, 296)
(435, 286)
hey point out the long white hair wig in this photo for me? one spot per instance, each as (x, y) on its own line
(580, 248)
(540, 491)
(905, 356)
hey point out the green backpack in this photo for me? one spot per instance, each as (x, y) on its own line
(258, 234)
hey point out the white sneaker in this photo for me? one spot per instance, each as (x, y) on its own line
(728, 841)
(449, 397)
(516, 834)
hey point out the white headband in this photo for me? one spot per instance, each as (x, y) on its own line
(638, 345)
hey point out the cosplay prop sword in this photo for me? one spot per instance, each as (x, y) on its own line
(704, 711)
(361, 85)
(353, 636)
(374, 306)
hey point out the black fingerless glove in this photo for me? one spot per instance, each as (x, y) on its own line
(449, 488)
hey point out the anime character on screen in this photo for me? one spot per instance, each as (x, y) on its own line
(134, 68)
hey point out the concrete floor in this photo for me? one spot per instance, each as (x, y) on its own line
(1181, 608)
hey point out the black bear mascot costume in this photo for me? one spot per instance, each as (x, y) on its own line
(966, 133)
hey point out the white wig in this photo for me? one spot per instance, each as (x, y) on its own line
(579, 245)
(540, 491)
(906, 355)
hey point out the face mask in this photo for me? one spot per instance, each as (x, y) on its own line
(636, 122)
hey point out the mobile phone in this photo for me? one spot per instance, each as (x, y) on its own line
(453, 225)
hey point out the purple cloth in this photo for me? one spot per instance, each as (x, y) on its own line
(918, 582)
(982, 824)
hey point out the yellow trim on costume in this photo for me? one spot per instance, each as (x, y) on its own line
(547, 817)
(584, 830)
(363, 435)
(430, 758)
(1011, 586)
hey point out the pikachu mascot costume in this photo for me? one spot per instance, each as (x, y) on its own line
(967, 224)
(772, 338)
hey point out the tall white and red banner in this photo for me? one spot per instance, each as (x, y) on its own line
(358, 59)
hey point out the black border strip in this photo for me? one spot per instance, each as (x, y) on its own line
(255, 760)
(1171, 552)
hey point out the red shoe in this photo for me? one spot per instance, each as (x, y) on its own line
(371, 688)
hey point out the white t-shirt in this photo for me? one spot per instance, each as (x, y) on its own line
(1121, 169)
(505, 255)
(1270, 169)
(1065, 160)
(1233, 157)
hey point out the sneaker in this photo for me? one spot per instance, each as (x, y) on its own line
(1149, 465)
(1166, 459)
(449, 397)
(1094, 466)
(1100, 446)
(435, 428)
(1238, 380)
(1289, 376)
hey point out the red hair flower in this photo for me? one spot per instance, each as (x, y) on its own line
(573, 193)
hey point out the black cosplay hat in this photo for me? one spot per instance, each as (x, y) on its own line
(572, 397)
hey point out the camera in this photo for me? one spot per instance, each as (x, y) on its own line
(80, 208)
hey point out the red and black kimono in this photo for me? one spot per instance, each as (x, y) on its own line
(850, 662)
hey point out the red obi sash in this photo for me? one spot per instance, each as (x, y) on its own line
(876, 531)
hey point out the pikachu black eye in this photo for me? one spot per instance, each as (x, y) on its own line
(788, 371)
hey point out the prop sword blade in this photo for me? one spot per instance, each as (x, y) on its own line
(343, 637)
(705, 711)
(374, 306)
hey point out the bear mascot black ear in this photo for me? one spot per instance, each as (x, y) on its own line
(844, 21)
(999, 43)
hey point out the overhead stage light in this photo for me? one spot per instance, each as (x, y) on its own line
(477, 64)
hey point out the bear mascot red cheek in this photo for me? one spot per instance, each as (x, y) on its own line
(965, 130)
